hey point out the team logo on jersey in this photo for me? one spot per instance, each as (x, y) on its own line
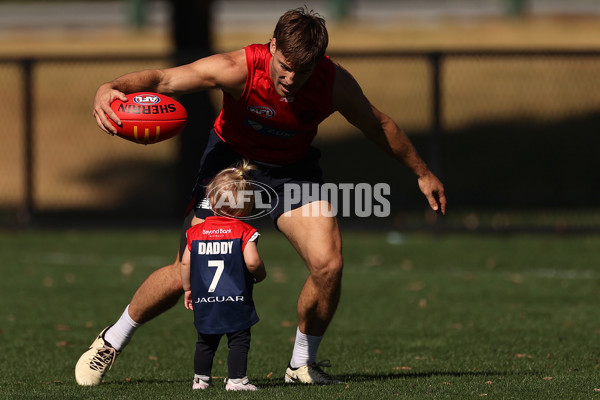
(146, 99)
(265, 112)
(271, 131)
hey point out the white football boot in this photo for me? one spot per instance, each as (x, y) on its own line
(202, 382)
(239, 384)
(310, 374)
(95, 362)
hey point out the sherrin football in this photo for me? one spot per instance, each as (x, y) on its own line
(148, 117)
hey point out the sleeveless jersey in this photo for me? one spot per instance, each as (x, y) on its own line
(266, 127)
(221, 285)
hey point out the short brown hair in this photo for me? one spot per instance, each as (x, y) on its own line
(301, 36)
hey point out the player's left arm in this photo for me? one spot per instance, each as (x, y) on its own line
(350, 101)
(254, 263)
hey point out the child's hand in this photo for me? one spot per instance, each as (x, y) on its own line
(187, 300)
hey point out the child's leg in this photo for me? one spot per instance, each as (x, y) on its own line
(237, 360)
(206, 347)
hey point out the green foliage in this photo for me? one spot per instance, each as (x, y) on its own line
(508, 317)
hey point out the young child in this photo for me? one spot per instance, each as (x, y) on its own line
(219, 266)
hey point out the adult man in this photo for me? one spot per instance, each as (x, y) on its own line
(274, 97)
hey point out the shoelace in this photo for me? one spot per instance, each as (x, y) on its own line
(103, 359)
(317, 368)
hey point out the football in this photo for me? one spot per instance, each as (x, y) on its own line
(148, 117)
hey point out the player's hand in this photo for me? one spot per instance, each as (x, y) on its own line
(433, 190)
(102, 111)
(187, 300)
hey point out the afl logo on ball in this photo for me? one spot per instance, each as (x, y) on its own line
(265, 112)
(146, 99)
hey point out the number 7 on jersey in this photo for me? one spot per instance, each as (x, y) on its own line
(220, 266)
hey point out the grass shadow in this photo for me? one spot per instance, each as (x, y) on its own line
(355, 378)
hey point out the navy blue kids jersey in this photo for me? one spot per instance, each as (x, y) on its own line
(220, 282)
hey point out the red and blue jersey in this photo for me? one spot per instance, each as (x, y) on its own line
(265, 127)
(220, 282)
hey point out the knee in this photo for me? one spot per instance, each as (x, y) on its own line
(327, 268)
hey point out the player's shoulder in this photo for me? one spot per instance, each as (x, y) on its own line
(241, 225)
(346, 90)
(342, 75)
(243, 229)
(232, 60)
(226, 71)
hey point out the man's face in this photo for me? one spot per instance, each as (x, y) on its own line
(287, 81)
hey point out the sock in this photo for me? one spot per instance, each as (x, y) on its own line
(203, 378)
(122, 331)
(305, 349)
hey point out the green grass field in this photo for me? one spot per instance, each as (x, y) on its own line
(458, 317)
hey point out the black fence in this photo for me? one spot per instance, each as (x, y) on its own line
(510, 132)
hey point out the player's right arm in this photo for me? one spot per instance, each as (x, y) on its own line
(254, 263)
(185, 278)
(226, 71)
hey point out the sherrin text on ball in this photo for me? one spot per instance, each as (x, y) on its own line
(148, 117)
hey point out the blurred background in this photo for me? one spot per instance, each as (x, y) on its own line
(500, 97)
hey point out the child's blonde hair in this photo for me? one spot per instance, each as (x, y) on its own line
(230, 193)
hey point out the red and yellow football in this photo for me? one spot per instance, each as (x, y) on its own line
(148, 117)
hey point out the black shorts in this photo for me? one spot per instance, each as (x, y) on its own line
(302, 179)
